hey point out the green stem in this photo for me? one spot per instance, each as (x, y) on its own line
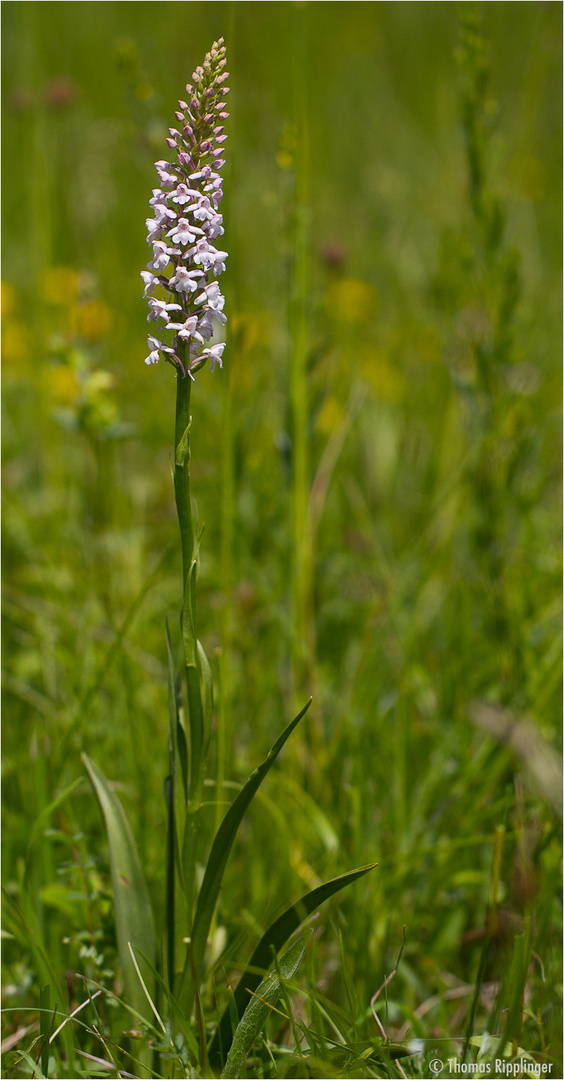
(301, 538)
(189, 576)
(182, 473)
(189, 543)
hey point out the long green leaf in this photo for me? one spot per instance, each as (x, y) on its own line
(170, 878)
(206, 691)
(196, 725)
(273, 938)
(133, 914)
(223, 843)
(176, 797)
(516, 984)
(45, 1024)
(257, 1010)
(177, 733)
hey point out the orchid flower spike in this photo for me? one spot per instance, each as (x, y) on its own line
(184, 205)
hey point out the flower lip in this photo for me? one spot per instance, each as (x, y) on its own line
(184, 233)
(160, 309)
(183, 194)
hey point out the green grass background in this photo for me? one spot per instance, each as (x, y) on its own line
(435, 551)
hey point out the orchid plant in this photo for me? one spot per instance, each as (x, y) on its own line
(183, 270)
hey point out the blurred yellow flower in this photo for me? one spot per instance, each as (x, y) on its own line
(9, 299)
(98, 382)
(284, 159)
(59, 285)
(517, 418)
(352, 301)
(249, 329)
(16, 342)
(93, 320)
(385, 381)
(428, 345)
(62, 385)
(329, 416)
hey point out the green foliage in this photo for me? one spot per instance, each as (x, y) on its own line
(376, 468)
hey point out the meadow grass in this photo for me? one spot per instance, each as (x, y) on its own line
(377, 468)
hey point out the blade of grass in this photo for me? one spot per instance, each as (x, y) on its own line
(174, 1010)
(177, 733)
(133, 913)
(35, 1070)
(206, 694)
(263, 999)
(176, 798)
(517, 981)
(45, 1024)
(27, 932)
(273, 938)
(302, 554)
(170, 878)
(148, 997)
(223, 843)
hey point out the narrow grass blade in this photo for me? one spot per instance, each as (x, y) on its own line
(174, 1013)
(273, 938)
(176, 798)
(42, 820)
(45, 1024)
(34, 1067)
(204, 1062)
(262, 1000)
(133, 914)
(196, 722)
(179, 749)
(115, 647)
(206, 692)
(27, 932)
(30, 938)
(516, 982)
(148, 997)
(170, 878)
(223, 843)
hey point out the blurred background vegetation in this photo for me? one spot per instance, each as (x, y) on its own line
(403, 213)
